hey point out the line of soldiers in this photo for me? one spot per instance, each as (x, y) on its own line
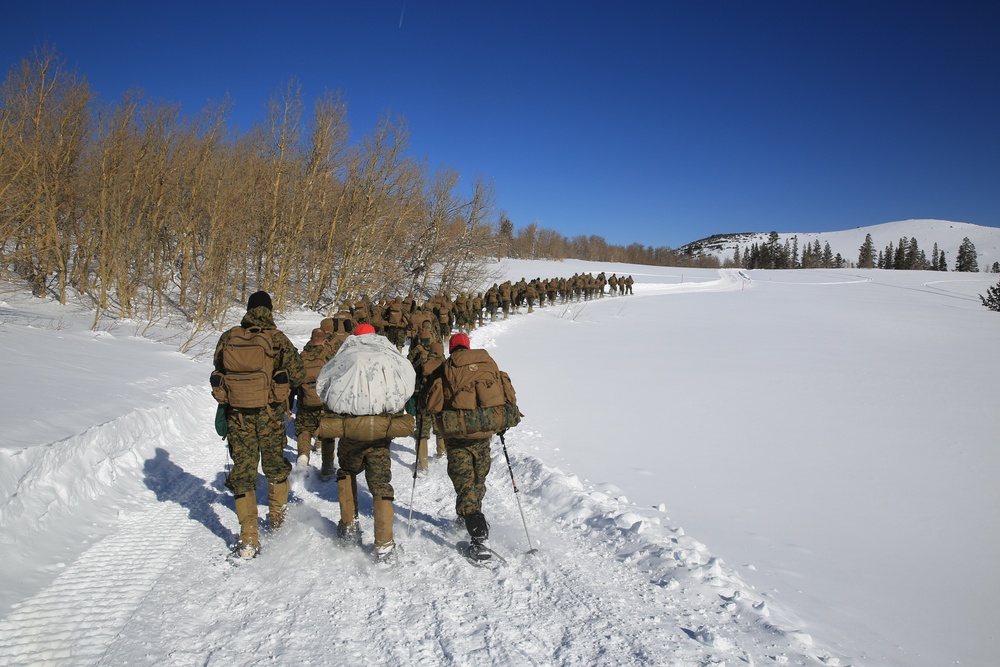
(403, 319)
(256, 435)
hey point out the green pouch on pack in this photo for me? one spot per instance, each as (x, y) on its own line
(221, 425)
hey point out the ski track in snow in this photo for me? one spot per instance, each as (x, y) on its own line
(611, 584)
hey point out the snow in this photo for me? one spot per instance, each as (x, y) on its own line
(758, 467)
(948, 236)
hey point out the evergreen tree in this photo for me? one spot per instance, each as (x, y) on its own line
(942, 262)
(899, 259)
(881, 260)
(890, 257)
(996, 267)
(966, 260)
(866, 253)
(913, 256)
(934, 258)
(992, 298)
(827, 256)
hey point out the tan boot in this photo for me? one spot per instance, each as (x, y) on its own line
(277, 499)
(349, 528)
(327, 447)
(422, 455)
(246, 514)
(304, 445)
(441, 448)
(385, 547)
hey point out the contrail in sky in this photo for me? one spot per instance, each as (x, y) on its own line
(401, 13)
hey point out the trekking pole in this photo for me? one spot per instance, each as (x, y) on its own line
(416, 459)
(517, 497)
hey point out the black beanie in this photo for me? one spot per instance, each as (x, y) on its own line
(260, 298)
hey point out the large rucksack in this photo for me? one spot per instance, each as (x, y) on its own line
(249, 380)
(477, 398)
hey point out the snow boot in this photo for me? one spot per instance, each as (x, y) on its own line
(277, 499)
(385, 546)
(441, 448)
(246, 513)
(349, 528)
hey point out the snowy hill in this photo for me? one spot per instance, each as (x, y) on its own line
(947, 235)
(708, 479)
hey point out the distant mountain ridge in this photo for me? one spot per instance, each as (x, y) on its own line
(948, 235)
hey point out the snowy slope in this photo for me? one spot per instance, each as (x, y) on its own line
(947, 234)
(115, 522)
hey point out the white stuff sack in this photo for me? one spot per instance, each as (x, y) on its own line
(367, 376)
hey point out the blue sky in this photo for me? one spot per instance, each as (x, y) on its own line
(650, 122)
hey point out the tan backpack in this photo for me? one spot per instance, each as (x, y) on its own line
(476, 398)
(313, 360)
(249, 380)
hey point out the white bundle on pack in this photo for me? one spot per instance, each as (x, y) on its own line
(368, 376)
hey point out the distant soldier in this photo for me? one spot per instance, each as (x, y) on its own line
(492, 301)
(628, 285)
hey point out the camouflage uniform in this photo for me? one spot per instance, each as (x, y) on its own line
(371, 458)
(307, 416)
(258, 435)
(468, 466)
(425, 357)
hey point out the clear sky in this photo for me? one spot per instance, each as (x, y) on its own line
(655, 122)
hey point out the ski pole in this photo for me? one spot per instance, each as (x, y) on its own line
(517, 497)
(416, 459)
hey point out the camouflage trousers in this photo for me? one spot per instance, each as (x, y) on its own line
(468, 466)
(424, 422)
(307, 419)
(371, 458)
(256, 436)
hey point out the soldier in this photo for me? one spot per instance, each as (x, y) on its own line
(449, 388)
(492, 301)
(255, 414)
(373, 459)
(628, 285)
(530, 294)
(425, 356)
(309, 408)
(505, 296)
(395, 324)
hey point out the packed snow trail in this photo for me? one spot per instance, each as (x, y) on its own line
(610, 583)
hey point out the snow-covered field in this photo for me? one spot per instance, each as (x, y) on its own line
(759, 468)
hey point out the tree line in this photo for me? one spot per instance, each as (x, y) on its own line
(147, 212)
(906, 255)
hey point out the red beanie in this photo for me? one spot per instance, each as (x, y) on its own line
(363, 329)
(457, 341)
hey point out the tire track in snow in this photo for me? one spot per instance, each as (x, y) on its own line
(75, 619)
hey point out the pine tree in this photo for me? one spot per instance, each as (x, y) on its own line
(966, 260)
(992, 298)
(942, 262)
(866, 253)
